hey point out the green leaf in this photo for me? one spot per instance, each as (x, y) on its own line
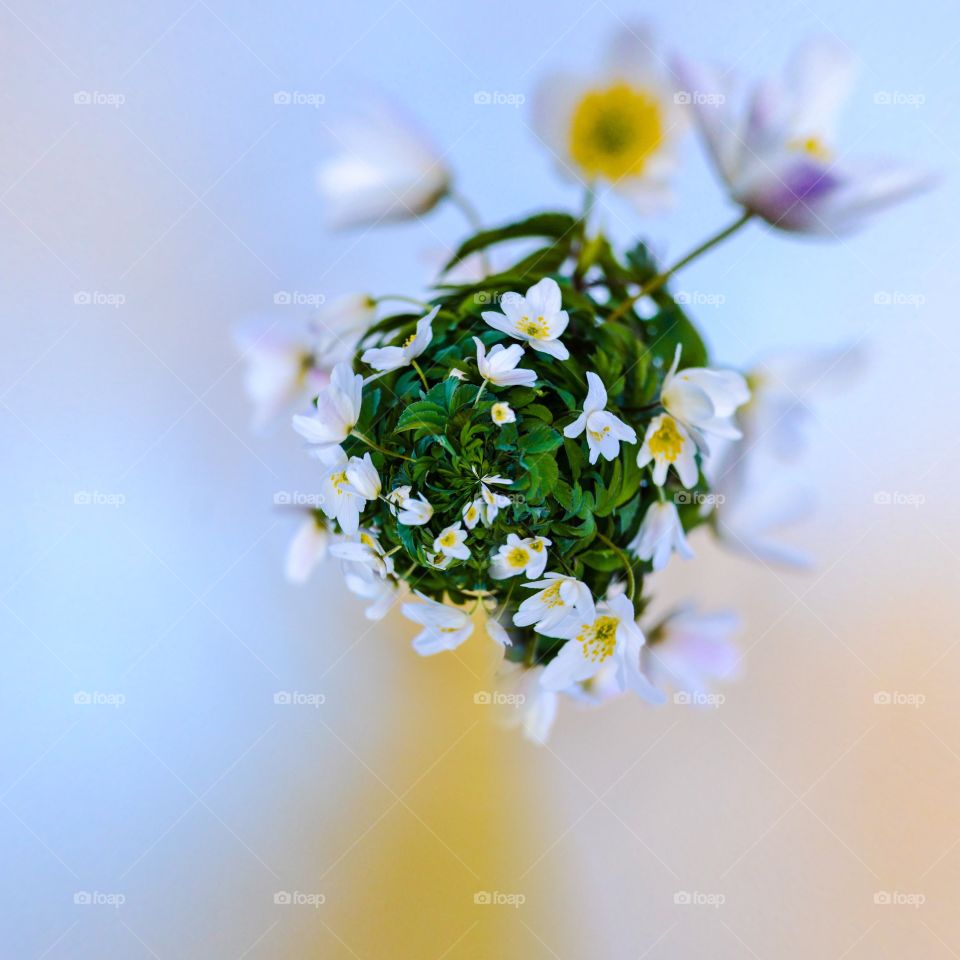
(424, 414)
(554, 225)
(540, 439)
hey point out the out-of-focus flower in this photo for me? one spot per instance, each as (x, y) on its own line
(688, 649)
(385, 169)
(343, 316)
(605, 432)
(526, 703)
(497, 632)
(667, 444)
(502, 413)
(559, 597)
(366, 551)
(516, 557)
(499, 366)
(620, 126)
(306, 550)
(444, 627)
(537, 318)
(386, 359)
(381, 592)
(338, 409)
(660, 535)
(777, 155)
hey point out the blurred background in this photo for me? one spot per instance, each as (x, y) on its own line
(155, 800)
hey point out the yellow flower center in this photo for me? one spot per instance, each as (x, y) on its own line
(471, 513)
(500, 412)
(518, 557)
(599, 434)
(614, 131)
(409, 340)
(448, 539)
(339, 481)
(537, 545)
(813, 147)
(538, 328)
(551, 596)
(599, 638)
(667, 442)
(368, 541)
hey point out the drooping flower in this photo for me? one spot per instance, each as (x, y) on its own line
(497, 632)
(411, 511)
(516, 557)
(451, 543)
(660, 535)
(306, 550)
(363, 477)
(668, 444)
(339, 499)
(598, 635)
(526, 702)
(338, 409)
(620, 126)
(499, 366)
(777, 152)
(444, 627)
(537, 318)
(381, 592)
(688, 649)
(386, 359)
(502, 413)
(558, 598)
(366, 551)
(385, 169)
(704, 400)
(605, 432)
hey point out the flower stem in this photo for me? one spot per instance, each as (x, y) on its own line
(476, 399)
(472, 217)
(378, 448)
(660, 279)
(625, 560)
(416, 366)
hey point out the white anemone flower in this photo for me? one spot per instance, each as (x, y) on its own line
(366, 551)
(339, 500)
(605, 432)
(704, 400)
(306, 550)
(386, 169)
(502, 413)
(557, 598)
(380, 592)
(499, 366)
(668, 444)
(526, 703)
(537, 318)
(450, 543)
(777, 152)
(472, 513)
(620, 126)
(689, 649)
(410, 511)
(338, 409)
(445, 627)
(516, 557)
(386, 359)
(660, 536)
(363, 477)
(497, 632)
(600, 635)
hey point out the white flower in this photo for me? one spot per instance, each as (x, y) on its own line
(386, 359)
(777, 152)
(363, 477)
(597, 636)
(366, 552)
(457, 374)
(307, 549)
(689, 649)
(604, 431)
(497, 632)
(500, 365)
(526, 703)
(340, 501)
(559, 597)
(492, 503)
(668, 444)
(444, 627)
(338, 409)
(660, 534)
(450, 543)
(472, 512)
(536, 318)
(502, 413)
(516, 557)
(704, 400)
(363, 582)
(350, 313)
(413, 512)
(385, 170)
(620, 125)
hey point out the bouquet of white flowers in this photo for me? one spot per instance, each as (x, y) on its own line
(533, 442)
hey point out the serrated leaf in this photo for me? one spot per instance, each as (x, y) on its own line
(425, 415)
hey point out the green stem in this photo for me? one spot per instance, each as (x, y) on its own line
(625, 560)
(476, 399)
(651, 286)
(416, 366)
(402, 299)
(472, 217)
(378, 448)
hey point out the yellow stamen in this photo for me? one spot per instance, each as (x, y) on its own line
(812, 146)
(599, 639)
(667, 442)
(518, 557)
